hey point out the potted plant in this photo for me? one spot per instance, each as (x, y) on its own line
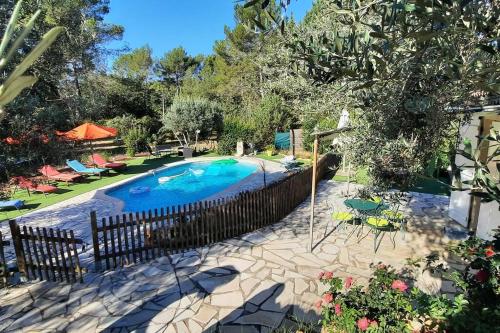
(270, 150)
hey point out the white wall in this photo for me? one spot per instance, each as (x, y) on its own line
(489, 219)
(489, 215)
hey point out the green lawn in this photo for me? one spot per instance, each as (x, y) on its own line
(36, 201)
(278, 157)
(423, 184)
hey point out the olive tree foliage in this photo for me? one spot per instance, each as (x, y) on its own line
(408, 65)
(192, 117)
(13, 39)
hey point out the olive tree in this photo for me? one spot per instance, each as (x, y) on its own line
(190, 118)
(409, 65)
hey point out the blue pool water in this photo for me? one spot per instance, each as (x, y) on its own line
(191, 182)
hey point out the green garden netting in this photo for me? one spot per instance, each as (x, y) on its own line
(282, 140)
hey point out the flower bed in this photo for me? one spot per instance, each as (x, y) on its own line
(392, 303)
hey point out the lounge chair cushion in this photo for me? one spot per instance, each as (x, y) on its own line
(12, 203)
(377, 222)
(52, 173)
(390, 214)
(29, 185)
(113, 165)
(79, 167)
(100, 161)
(343, 216)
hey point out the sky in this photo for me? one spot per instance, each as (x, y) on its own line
(166, 24)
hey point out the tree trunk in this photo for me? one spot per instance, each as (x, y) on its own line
(77, 81)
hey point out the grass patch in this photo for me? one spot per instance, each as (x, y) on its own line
(276, 158)
(423, 184)
(36, 201)
(432, 186)
(360, 177)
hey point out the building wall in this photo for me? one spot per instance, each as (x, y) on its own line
(489, 214)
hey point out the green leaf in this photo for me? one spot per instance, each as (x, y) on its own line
(487, 48)
(251, 3)
(10, 27)
(378, 35)
(20, 39)
(15, 88)
(345, 12)
(423, 36)
(410, 7)
(43, 45)
(259, 24)
(467, 147)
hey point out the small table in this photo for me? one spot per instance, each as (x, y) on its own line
(362, 206)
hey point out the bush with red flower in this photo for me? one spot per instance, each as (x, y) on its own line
(476, 305)
(390, 302)
(383, 306)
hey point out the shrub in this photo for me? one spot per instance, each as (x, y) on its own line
(321, 124)
(234, 130)
(135, 140)
(270, 116)
(391, 304)
(127, 122)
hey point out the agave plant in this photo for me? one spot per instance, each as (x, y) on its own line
(484, 179)
(16, 81)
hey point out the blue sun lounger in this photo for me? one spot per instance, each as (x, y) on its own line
(83, 170)
(18, 204)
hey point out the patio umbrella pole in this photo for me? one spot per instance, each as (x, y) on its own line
(313, 192)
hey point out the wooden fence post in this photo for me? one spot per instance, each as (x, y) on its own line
(95, 241)
(18, 247)
(4, 270)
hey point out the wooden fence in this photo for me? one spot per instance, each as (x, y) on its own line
(4, 270)
(142, 236)
(46, 254)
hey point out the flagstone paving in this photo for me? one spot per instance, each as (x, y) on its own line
(245, 284)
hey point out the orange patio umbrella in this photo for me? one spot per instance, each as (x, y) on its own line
(89, 132)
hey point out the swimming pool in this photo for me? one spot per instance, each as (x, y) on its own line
(182, 184)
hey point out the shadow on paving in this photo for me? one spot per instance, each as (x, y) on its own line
(161, 308)
(116, 301)
(264, 312)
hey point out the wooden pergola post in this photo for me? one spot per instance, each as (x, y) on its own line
(317, 136)
(313, 191)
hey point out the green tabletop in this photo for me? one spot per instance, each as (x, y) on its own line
(361, 205)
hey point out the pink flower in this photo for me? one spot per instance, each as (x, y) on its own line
(363, 323)
(482, 276)
(338, 310)
(328, 275)
(399, 285)
(320, 275)
(348, 282)
(328, 298)
(318, 304)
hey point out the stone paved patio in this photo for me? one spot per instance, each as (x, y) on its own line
(246, 284)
